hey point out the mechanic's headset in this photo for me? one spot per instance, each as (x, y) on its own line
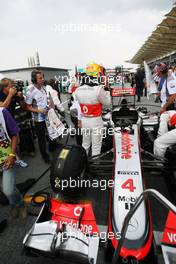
(34, 75)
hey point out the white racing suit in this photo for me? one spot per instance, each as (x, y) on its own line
(91, 100)
(165, 138)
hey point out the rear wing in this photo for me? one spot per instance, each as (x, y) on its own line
(120, 91)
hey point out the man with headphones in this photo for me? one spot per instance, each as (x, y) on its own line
(36, 102)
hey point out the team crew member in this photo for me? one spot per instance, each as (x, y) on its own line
(55, 98)
(168, 96)
(75, 109)
(139, 81)
(168, 89)
(36, 102)
(165, 138)
(75, 114)
(91, 96)
(75, 82)
(73, 85)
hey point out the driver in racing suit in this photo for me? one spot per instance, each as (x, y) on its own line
(91, 96)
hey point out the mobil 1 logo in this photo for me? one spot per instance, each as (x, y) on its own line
(127, 201)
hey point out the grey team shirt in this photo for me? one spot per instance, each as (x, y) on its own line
(38, 99)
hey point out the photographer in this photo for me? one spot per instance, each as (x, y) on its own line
(9, 96)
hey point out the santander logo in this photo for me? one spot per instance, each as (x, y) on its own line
(126, 146)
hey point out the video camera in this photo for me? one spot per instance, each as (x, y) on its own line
(19, 86)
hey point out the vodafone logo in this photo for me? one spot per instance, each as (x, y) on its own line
(85, 109)
(172, 237)
(126, 146)
(77, 211)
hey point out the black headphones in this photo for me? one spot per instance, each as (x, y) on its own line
(34, 75)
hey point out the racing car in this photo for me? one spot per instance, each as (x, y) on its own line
(134, 132)
(128, 155)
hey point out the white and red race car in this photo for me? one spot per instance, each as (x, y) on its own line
(52, 233)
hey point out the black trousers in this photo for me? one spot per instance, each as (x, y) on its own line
(40, 128)
(78, 131)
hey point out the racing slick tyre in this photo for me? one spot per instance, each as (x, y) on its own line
(68, 170)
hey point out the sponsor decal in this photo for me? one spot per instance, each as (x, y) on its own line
(64, 153)
(77, 211)
(128, 172)
(83, 227)
(126, 146)
(172, 237)
(128, 201)
(128, 206)
(123, 91)
(85, 109)
(133, 225)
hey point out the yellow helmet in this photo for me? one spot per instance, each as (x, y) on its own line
(93, 69)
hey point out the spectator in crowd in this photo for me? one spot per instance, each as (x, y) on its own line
(8, 144)
(37, 103)
(139, 80)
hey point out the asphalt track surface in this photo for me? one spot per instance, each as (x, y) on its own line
(12, 237)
